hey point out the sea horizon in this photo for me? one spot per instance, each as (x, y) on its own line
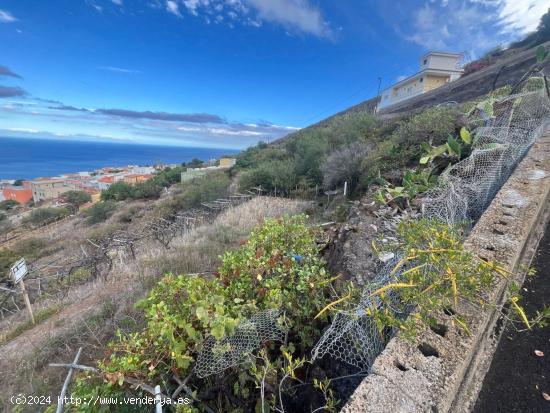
(31, 158)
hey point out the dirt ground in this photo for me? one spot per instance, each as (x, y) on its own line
(518, 377)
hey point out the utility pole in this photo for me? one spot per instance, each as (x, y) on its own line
(375, 110)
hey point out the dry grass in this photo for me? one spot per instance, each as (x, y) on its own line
(199, 250)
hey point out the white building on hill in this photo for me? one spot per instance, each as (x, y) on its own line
(436, 69)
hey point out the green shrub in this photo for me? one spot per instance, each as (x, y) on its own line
(435, 274)
(117, 192)
(271, 176)
(100, 211)
(278, 268)
(8, 204)
(150, 189)
(43, 216)
(205, 188)
(77, 198)
(433, 125)
(300, 159)
(146, 190)
(404, 147)
(255, 155)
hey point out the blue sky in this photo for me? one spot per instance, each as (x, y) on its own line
(221, 73)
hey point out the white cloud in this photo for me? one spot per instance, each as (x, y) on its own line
(192, 5)
(6, 17)
(119, 70)
(521, 16)
(428, 30)
(471, 25)
(117, 2)
(294, 15)
(230, 132)
(26, 130)
(173, 8)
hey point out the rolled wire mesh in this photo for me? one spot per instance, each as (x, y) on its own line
(230, 351)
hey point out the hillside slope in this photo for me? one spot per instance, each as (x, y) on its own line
(505, 71)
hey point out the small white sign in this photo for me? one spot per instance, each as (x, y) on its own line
(19, 270)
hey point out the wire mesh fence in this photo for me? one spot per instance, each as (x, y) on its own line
(504, 130)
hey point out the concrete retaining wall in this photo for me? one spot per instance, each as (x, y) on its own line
(442, 370)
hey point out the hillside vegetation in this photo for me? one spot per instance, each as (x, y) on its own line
(357, 148)
(227, 311)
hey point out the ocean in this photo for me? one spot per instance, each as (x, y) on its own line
(32, 158)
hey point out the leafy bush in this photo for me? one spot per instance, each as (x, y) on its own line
(432, 125)
(259, 154)
(117, 192)
(299, 160)
(403, 148)
(100, 212)
(278, 268)
(43, 216)
(194, 163)
(150, 189)
(77, 197)
(147, 190)
(271, 176)
(435, 274)
(8, 204)
(205, 189)
(413, 183)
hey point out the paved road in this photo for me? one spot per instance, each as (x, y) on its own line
(517, 376)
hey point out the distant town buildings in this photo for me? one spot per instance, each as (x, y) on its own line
(51, 189)
(436, 69)
(44, 189)
(105, 182)
(21, 194)
(191, 173)
(137, 178)
(227, 162)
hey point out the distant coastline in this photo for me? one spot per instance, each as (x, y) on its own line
(32, 158)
